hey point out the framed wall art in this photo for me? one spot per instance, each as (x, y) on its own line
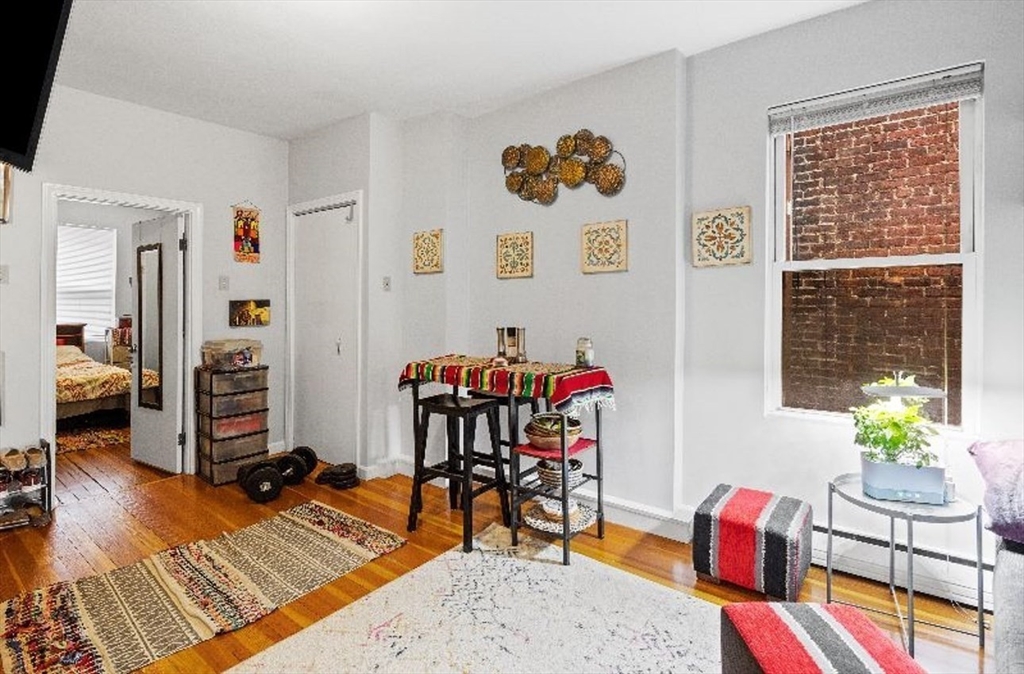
(604, 247)
(721, 237)
(5, 193)
(247, 233)
(514, 255)
(248, 313)
(428, 252)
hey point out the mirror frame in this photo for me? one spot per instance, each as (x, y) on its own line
(157, 403)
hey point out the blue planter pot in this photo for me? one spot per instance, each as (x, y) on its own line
(899, 482)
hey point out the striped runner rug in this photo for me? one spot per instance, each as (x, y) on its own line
(129, 617)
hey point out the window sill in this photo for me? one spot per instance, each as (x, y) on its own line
(953, 433)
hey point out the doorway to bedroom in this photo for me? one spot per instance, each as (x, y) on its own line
(121, 321)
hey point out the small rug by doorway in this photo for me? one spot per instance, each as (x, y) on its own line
(504, 609)
(90, 431)
(127, 618)
(90, 438)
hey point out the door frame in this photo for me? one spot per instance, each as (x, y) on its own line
(192, 268)
(336, 201)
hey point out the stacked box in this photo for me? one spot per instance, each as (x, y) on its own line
(231, 420)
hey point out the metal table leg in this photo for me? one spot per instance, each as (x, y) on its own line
(828, 547)
(910, 586)
(981, 585)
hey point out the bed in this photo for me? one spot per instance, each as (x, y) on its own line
(85, 385)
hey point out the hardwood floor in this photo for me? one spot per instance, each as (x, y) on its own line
(114, 512)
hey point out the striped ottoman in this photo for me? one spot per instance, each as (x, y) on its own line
(753, 539)
(794, 638)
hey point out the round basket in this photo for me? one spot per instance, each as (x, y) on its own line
(552, 441)
(550, 473)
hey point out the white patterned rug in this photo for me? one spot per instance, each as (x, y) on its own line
(503, 609)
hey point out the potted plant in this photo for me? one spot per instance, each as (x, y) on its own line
(897, 461)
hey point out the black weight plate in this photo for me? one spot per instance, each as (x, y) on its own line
(293, 468)
(263, 483)
(348, 484)
(244, 470)
(308, 456)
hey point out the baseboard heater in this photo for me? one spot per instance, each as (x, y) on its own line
(900, 547)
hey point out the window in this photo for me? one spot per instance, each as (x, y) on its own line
(873, 252)
(86, 276)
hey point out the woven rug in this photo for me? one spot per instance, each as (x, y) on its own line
(504, 609)
(87, 438)
(127, 618)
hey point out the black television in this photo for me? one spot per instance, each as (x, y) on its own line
(39, 34)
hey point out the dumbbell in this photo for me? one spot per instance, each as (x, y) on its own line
(263, 481)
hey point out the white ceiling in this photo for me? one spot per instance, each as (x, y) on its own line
(286, 67)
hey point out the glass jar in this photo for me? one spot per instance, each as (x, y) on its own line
(584, 352)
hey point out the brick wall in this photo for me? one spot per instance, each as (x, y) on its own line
(874, 188)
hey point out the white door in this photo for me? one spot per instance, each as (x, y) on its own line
(157, 338)
(325, 332)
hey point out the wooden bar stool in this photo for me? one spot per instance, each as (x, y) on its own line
(460, 462)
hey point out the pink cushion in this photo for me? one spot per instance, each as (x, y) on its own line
(1001, 465)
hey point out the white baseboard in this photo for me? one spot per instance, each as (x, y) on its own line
(276, 447)
(384, 468)
(935, 577)
(618, 510)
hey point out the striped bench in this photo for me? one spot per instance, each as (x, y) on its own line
(753, 539)
(788, 638)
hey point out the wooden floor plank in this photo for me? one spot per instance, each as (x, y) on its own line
(117, 512)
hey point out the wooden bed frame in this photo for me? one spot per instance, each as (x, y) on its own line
(73, 334)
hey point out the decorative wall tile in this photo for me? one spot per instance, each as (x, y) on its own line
(604, 247)
(428, 252)
(514, 255)
(722, 237)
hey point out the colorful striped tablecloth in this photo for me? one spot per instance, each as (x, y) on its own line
(570, 388)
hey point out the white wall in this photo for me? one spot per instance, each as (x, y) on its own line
(728, 436)
(629, 315)
(97, 142)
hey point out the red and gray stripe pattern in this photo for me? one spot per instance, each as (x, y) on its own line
(790, 638)
(754, 539)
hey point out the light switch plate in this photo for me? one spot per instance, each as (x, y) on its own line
(223, 283)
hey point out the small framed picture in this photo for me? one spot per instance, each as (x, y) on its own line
(604, 247)
(514, 255)
(428, 252)
(248, 313)
(721, 237)
(5, 193)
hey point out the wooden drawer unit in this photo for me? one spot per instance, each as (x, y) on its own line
(231, 420)
(230, 449)
(224, 472)
(219, 382)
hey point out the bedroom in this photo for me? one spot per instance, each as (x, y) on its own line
(697, 366)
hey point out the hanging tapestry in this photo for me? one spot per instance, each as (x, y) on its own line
(247, 233)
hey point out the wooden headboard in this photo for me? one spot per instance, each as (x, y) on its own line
(72, 334)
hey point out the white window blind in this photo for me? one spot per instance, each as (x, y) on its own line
(86, 277)
(944, 86)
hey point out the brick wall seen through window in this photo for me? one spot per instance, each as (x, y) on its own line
(879, 187)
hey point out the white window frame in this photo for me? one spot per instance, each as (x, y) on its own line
(96, 333)
(969, 257)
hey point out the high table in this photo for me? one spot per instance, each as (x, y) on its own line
(569, 389)
(849, 487)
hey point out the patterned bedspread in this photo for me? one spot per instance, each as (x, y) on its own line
(79, 377)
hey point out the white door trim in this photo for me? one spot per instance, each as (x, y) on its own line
(326, 203)
(52, 194)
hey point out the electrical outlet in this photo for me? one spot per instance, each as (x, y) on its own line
(223, 283)
(386, 284)
(5, 274)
